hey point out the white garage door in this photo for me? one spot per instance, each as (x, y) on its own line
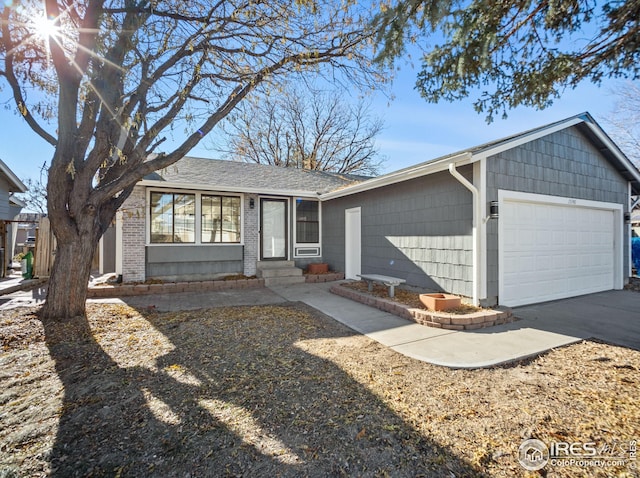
(552, 251)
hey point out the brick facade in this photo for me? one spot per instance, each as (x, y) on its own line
(133, 236)
(251, 221)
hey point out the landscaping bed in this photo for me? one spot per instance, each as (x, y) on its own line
(406, 304)
(286, 391)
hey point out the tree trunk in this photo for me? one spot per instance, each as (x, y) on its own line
(67, 291)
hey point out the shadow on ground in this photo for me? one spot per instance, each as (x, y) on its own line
(223, 392)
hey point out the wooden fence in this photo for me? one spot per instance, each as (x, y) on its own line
(45, 249)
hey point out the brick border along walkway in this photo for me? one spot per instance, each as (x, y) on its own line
(123, 290)
(476, 320)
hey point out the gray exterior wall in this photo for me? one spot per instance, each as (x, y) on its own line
(198, 262)
(418, 230)
(5, 212)
(108, 250)
(564, 164)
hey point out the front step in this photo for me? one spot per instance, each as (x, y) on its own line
(279, 273)
(264, 265)
(280, 281)
(288, 272)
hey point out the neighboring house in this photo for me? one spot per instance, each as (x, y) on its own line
(635, 222)
(26, 229)
(536, 216)
(10, 207)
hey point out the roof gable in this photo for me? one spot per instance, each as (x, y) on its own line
(16, 186)
(583, 121)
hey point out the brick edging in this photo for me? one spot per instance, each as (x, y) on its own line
(121, 290)
(443, 320)
(330, 277)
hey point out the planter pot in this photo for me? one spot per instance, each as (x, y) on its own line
(440, 301)
(318, 268)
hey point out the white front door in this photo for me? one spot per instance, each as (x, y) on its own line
(352, 250)
(273, 229)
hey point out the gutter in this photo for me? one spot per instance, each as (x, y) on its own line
(476, 236)
(152, 183)
(412, 172)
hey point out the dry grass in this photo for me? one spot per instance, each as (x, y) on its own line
(285, 391)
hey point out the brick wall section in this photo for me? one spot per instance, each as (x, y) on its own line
(251, 235)
(134, 236)
(122, 290)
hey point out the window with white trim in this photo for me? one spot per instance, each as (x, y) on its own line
(173, 218)
(220, 219)
(307, 221)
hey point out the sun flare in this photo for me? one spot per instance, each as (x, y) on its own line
(45, 27)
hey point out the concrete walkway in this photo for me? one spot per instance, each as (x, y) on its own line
(441, 347)
(608, 316)
(540, 329)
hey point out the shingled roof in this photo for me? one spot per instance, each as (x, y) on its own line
(202, 173)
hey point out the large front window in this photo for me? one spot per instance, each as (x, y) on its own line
(173, 218)
(307, 222)
(220, 219)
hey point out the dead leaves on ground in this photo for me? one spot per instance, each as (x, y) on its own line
(284, 390)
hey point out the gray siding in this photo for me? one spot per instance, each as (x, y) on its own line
(564, 164)
(193, 262)
(109, 250)
(5, 213)
(418, 230)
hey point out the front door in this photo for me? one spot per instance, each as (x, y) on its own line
(352, 242)
(273, 229)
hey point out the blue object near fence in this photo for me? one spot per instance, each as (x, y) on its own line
(635, 253)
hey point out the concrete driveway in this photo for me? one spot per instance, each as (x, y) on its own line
(612, 316)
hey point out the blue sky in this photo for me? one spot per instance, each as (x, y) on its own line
(415, 130)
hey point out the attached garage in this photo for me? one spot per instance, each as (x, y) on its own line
(533, 217)
(552, 247)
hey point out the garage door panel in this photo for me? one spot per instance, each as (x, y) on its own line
(552, 251)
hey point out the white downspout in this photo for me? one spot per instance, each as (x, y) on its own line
(632, 205)
(475, 234)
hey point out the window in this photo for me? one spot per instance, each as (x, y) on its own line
(307, 222)
(220, 219)
(172, 217)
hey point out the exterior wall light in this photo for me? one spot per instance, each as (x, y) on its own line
(252, 203)
(493, 209)
(627, 218)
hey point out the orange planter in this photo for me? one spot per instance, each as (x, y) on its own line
(318, 268)
(440, 301)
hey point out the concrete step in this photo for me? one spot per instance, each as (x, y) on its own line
(281, 281)
(263, 265)
(280, 272)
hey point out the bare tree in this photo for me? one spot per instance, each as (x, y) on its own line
(117, 76)
(624, 120)
(307, 129)
(36, 195)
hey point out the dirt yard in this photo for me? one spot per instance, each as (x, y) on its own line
(285, 391)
